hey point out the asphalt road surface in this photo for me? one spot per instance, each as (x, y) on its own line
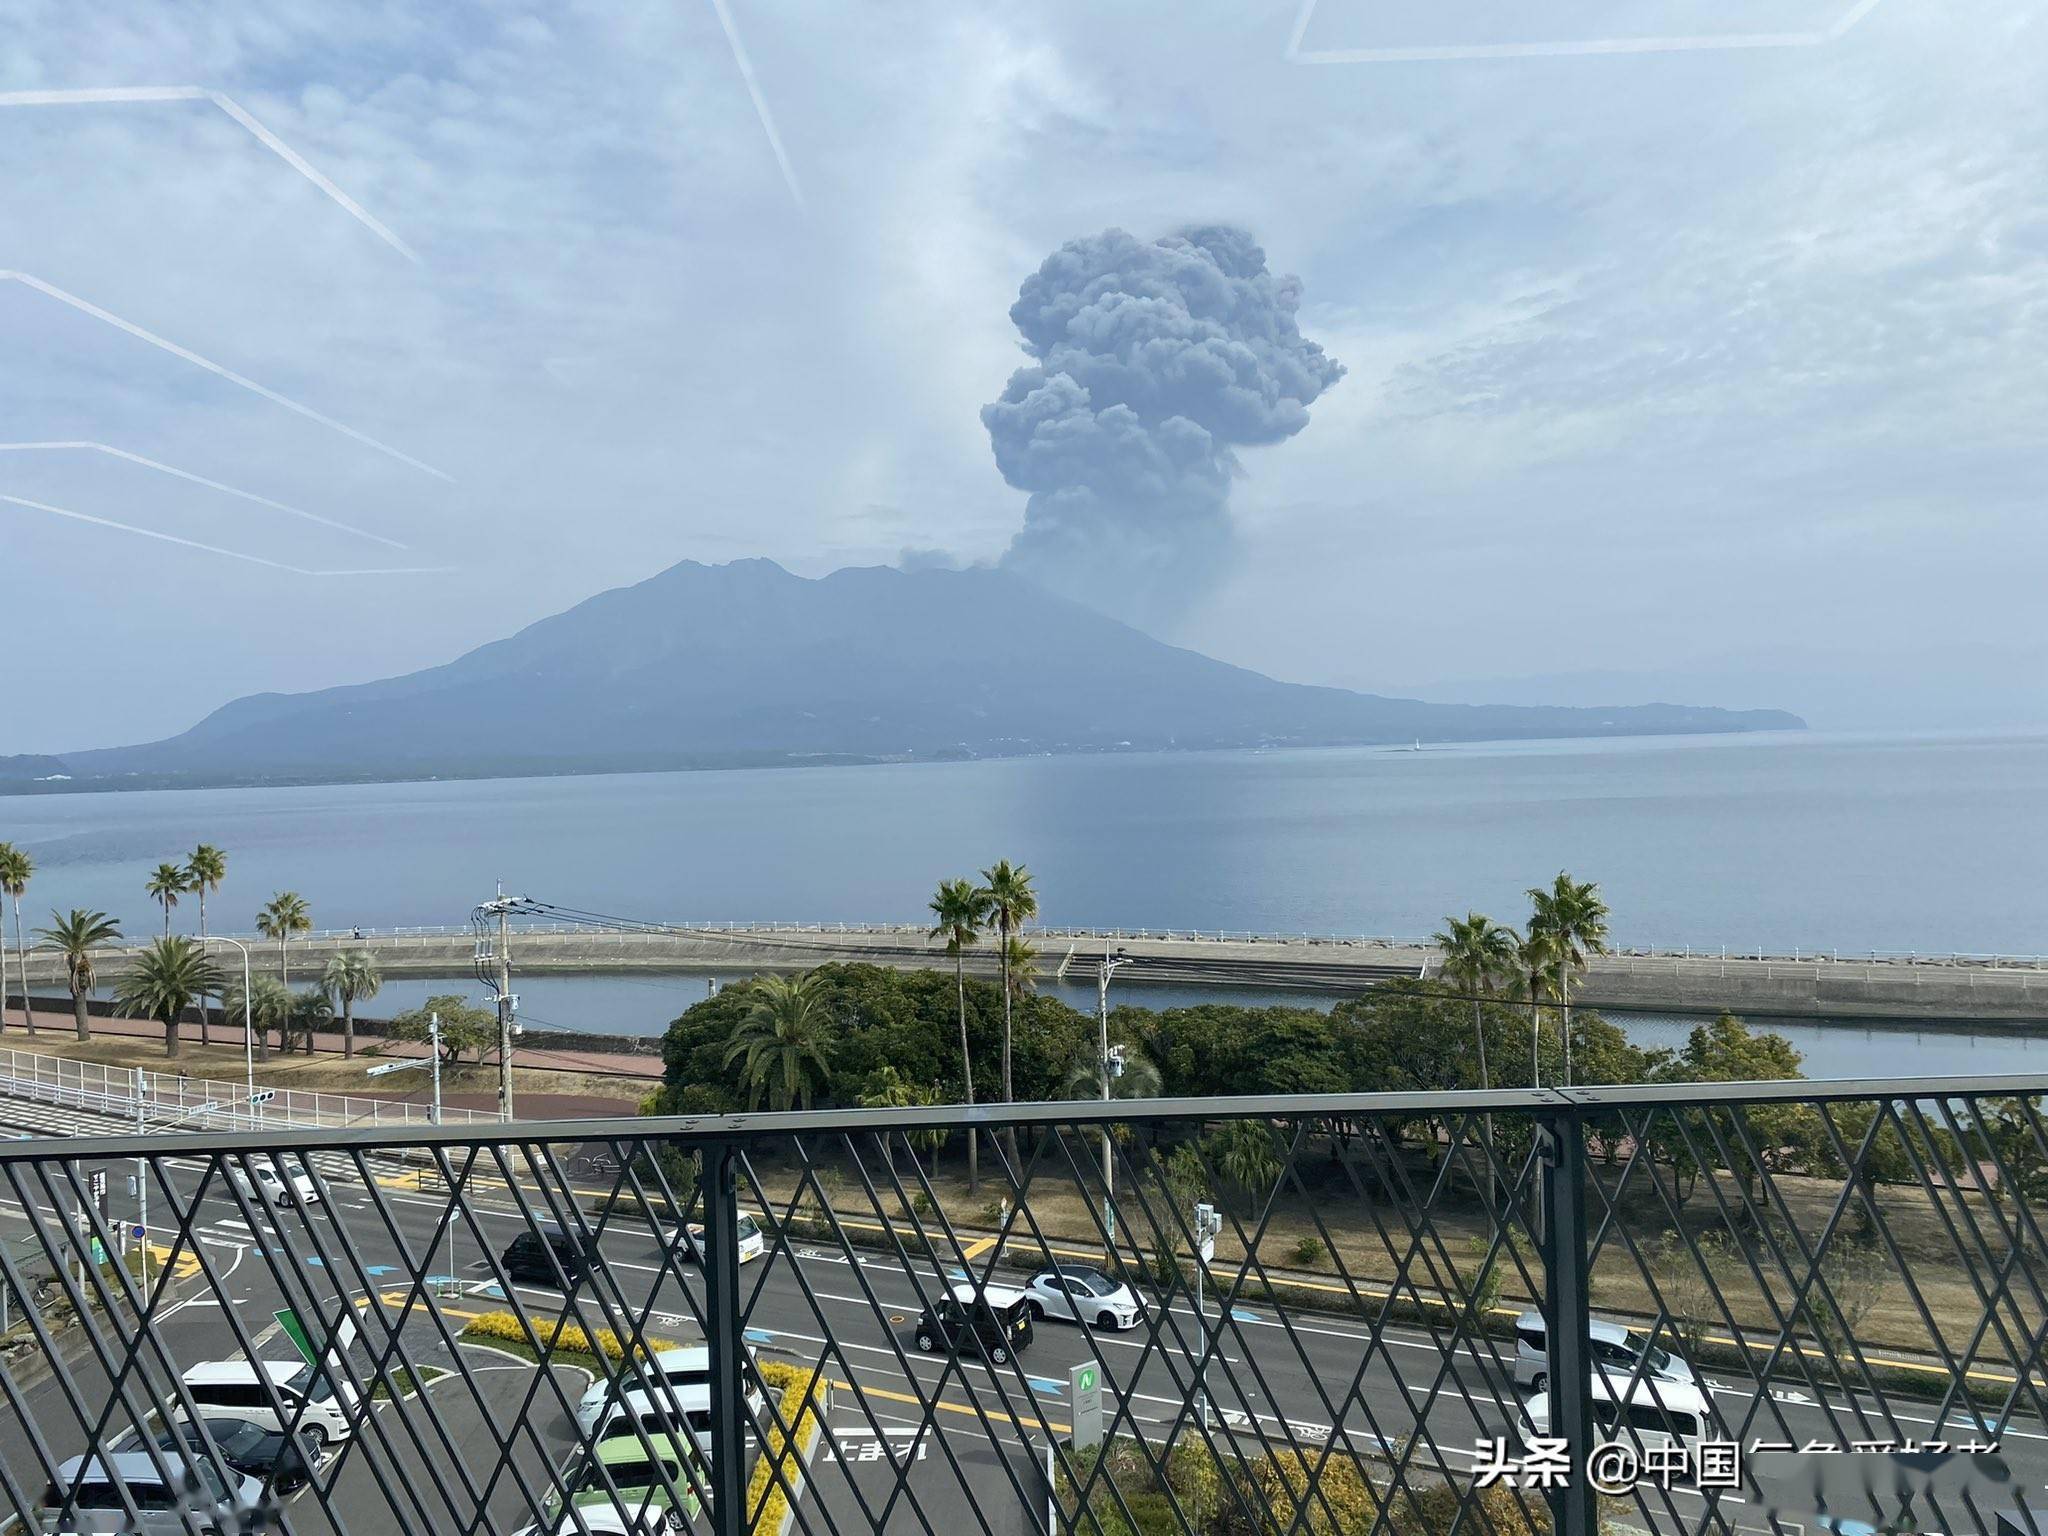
(970, 1463)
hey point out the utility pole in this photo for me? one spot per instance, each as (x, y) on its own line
(433, 1065)
(1106, 1068)
(494, 970)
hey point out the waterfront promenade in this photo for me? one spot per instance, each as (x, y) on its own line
(1989, 989)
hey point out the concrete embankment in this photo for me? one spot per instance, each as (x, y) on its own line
(2007, 992)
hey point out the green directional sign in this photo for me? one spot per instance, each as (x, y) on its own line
(295, 1330)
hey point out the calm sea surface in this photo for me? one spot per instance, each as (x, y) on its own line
(1812, 840)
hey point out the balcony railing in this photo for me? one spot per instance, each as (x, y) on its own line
(1729, 1308)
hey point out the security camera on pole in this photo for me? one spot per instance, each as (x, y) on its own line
(1208, 1222)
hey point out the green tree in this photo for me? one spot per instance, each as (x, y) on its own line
(283, 919)
(1536, 964)
(463, 1027)
(205, 870)
(166, 979)
(310, 1012)
(1785, 1135)
(1010, 902)
(350, 977)
(959, 911)
(1242, 1154)
(268, 1007)
(886, 1088)
(166, 884)
(1139, 1079)
(75, 938)
(16, 870)
(1574, 918)
(1480, 956)
(781, 1042)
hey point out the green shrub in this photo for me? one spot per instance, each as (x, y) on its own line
(1308, 1253)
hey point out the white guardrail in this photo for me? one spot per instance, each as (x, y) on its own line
(165, 1097)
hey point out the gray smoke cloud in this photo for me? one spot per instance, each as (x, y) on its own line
(1153, 361)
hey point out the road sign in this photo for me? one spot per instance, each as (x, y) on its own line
(138, 1232)
(392, 1066)
(99, 1183)
(1084, 1391)
(295, 1330)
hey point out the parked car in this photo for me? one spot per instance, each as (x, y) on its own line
(267, 1455)
(262, 1180)
(1084, 1294)
(1652, 1413)
(691, 1239)
(678, 1368)
(324, 1407)
(84, 1499)
(632, 1467)
(994, 1322)
(684, 1412)
(547, 1256)
(611, 1520)
(1617, 1351)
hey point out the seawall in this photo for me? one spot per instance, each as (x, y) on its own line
(2005, 992)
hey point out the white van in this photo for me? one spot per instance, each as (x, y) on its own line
(294, 1186)
(1618, 1351)
(679, 1368)
(1652, 1414)
(326, 1407)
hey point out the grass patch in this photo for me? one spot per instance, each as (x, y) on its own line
(404, 1383)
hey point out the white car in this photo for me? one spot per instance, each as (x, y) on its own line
(691, 1240)
(610, 1520)
(294, 1186)
(1082, 1293)
(682, 1369)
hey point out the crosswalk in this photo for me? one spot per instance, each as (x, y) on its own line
(27, 1117)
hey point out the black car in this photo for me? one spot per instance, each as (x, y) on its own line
(994, 1322)
(248, 1448)
(528, 1257)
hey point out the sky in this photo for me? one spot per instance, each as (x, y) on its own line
(1690, 351)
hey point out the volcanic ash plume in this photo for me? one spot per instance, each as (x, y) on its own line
(1153, 362)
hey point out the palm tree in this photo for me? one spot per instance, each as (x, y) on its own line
(1535, 961)
(207, 867)
(1479, 955)
(1139, 1079)
(960, 910)
(1575, 918)
(1010, 903)
(285, 916)
(75, 938)
(1020, 959)
(270, 1007)
(16, 868)
(780, 1043)
(166, 885)
(310, 1012)
(167, 978)
(351, 976)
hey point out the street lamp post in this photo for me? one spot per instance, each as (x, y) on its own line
(248, 1031)
(1104, 1070)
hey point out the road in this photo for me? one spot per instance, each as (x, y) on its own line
(969, 1465)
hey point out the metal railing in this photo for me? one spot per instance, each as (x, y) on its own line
(121, 1092)
(1727, 1308)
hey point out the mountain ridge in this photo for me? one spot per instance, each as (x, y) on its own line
(746, 664)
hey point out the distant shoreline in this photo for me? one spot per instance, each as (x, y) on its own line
(601, 768)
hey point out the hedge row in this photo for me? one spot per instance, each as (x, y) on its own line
(797, 1394)
(557, 1338)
